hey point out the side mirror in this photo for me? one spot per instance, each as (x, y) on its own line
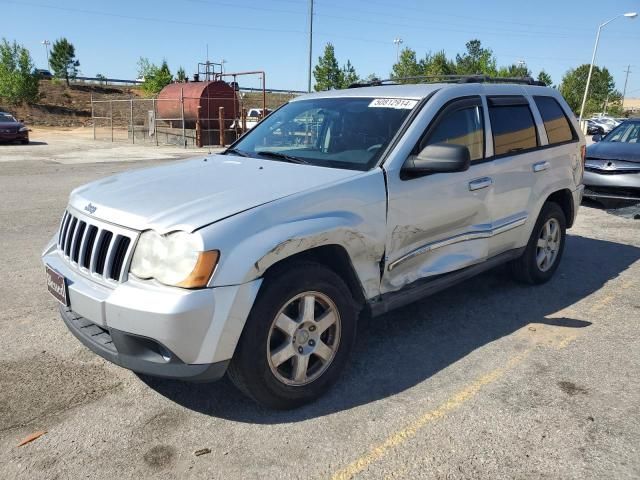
(438, 158)
(597, 137)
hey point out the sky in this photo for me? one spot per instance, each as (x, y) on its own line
(111, 36)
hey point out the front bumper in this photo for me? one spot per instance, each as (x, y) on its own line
(155, 329)
(140, 354)
(14, 137)
(612, 185)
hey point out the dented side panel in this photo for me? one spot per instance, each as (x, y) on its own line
(350, 213)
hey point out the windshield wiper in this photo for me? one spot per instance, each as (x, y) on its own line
(235, 151)
(283, 156)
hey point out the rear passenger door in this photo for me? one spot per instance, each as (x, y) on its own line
(516, 142)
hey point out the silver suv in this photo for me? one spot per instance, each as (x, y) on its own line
(259, 261)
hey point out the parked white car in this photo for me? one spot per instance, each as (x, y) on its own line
(259, 261)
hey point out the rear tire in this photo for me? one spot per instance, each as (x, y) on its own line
(544, 250)
(297, 338)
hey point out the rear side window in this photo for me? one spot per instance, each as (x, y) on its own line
(512, 125)
(461, 123)
(555, 121)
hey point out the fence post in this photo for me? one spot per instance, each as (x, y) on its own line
(111, 117)
(184, 130)
(244, 120)
(155, 122)
(133, 128)
(93, 120)
(221, 125)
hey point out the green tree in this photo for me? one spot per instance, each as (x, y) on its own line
(181, 75)
(476, 60)
(101, 78)
(349, 75)
(327, 72)
(63, 60)
(438, 64)
(154, 78)
(602, 86)
(545, 78)
(18, 82)
(514, 71)
(407, 65)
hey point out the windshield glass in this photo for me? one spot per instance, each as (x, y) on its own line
(4, 118)
(628, 132)
(341, 132)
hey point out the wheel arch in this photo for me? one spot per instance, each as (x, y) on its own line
(564, 199)
(333, 256)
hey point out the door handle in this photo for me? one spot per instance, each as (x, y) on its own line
(540, 166)
(479, 183)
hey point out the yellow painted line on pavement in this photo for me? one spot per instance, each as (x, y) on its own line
(412, 429)
(448, 406)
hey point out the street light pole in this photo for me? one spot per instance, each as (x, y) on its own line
(593, 57)
(397, 42)
(310, 44)
(46, 44)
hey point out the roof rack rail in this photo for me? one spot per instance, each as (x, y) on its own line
(449, 79)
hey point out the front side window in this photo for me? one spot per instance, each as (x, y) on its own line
(555, 121)
(336, 132)
(459, 126)
(512, 125)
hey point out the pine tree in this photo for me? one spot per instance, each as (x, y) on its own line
(545, 78)
(327, 72)
(63, 60)
(349, 75)
(181, 75)
(407, 65)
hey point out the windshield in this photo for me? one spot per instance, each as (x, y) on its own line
(628, 132)
(341, 132)
(4, 118)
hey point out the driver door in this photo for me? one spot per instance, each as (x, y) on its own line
(438, 223)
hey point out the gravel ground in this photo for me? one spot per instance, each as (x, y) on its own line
(488, 379)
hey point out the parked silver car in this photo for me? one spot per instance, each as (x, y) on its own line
(259, 261)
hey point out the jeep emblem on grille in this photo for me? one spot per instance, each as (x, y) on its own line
(90, 208)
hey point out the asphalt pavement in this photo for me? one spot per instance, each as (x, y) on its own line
(488, 379)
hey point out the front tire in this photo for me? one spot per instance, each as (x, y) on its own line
(544, 250)
(297, 338)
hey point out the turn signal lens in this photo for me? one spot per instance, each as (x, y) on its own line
(203, 270)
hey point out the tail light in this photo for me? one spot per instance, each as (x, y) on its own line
(583, 156)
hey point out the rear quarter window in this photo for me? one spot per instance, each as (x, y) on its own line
(555, 120)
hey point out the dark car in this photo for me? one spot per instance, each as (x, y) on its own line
(43, 74)
(612, 166)
(593, 128)
(11, 130)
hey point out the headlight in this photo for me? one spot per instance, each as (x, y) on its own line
(175, 259)
(23, 129)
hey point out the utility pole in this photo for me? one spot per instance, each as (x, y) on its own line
(310, 43)
(626, 79)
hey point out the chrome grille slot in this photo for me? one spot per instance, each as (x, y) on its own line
(94, 247)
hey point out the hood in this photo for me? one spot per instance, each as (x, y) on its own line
(190, 194)
(614, 151)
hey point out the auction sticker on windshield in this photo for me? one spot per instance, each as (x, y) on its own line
(399, 103)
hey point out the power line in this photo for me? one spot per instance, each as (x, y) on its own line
(151, 19)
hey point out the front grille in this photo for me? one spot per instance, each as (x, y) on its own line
(100, 249)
